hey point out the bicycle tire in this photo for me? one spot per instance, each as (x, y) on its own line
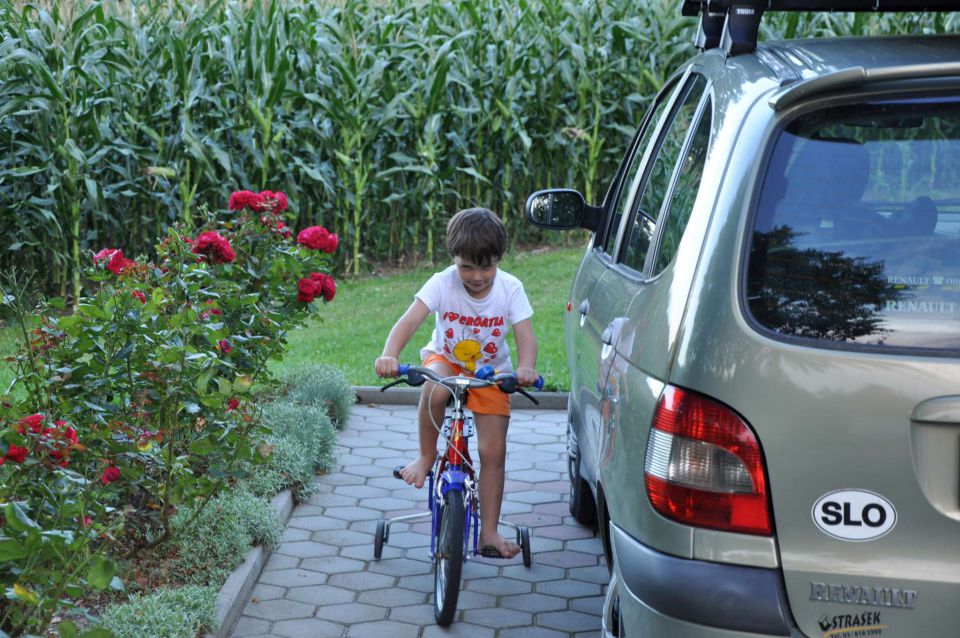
(378, 539)
(448, 562)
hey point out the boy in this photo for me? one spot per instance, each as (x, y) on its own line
(475, 306)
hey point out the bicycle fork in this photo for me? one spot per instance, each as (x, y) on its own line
(455, 480)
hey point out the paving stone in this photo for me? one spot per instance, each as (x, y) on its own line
(267, 592)
(393, 597)
(303, 549)
(531, 632)
(535, 476)
(365, 552)
(498, 617)
(500, 586)
(534, 603)
(534, 519)
(536, 573)
(331, 565)
(473, 600)
(305, 509)
(316, 523)
(360, 491)
(383, 629)
(248, 626)
(278, 609)
(361, 581)
(294, 534)
(351, 613)
(279, 561)
(343, 538)
(421, 583)
(569, 588)
(307, 628)
(343, 479)
(321, 595)
(292, 578)
(567, 558)
(333, 500)
(565, 532)
(375, 470)
(414, 614)
(570, 621)
(592, 605)
(399, 567)
(534, 497)
(586, 545)
(457, 630)
(352, 513)
(599, 574)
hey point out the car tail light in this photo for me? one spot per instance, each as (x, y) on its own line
(703, 465)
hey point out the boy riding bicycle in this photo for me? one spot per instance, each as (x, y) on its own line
(475, 305)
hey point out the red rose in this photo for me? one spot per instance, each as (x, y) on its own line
(118, 263)
(139, 296)
(84, 521)
(110, 475)
(214, 247)
(273, 202)
(314, 237)
(332, 242)
(224, 346)
(16, 454)
(244, 199)
(232, 404)
(34, 422)
(104, 254)
(308, 289)
(329, 287)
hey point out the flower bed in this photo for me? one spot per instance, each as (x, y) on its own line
(135, 411)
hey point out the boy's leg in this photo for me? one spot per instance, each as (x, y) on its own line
(492, 444)
(430, 411)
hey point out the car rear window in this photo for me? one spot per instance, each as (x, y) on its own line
(855, 238)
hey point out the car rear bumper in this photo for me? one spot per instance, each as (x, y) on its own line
(660, 594)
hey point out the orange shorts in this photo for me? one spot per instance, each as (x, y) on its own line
(480, 400)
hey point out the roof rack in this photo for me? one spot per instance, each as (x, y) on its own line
(734, 24)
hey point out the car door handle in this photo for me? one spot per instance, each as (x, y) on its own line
(945, 410)
(584, 307)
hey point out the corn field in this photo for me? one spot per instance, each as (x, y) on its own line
(378, 119)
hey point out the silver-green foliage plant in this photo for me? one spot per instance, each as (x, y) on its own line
(213, 540)
(165, 613)
(303, 442)
(324, 386)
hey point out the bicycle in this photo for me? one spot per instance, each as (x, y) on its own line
(452, 488)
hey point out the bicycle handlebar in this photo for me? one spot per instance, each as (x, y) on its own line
(506, 381)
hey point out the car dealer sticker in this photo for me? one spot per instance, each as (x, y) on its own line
(854, 515)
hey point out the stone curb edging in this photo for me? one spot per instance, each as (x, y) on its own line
(236, 590)
(371, 395)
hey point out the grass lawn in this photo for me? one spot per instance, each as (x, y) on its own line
(350, 331)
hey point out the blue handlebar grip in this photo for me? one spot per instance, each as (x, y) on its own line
(485, 372)
(403, 368)
(539, 384)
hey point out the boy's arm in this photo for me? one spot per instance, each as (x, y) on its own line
(526, 352)
(387, 364)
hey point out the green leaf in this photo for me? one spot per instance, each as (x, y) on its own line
(97, 632)
(101, 572)
(11, 550)
(66, 629)
(202, 447)
(57, 302)
(17, 518)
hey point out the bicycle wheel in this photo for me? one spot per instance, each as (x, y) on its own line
(448, 563)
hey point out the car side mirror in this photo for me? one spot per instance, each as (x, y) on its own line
(561, 209)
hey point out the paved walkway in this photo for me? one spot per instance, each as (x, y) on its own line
(323, 582)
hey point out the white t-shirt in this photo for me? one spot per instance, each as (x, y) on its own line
(473, 332)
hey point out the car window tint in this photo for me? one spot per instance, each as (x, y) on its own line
(633, 166)
(654, 190)
(678, 210)
(856, 239)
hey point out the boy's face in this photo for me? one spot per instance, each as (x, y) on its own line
(476, 279)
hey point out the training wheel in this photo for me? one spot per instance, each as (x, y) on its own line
(379, 539)
(525, 545)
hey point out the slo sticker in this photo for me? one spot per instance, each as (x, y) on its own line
(854, 515)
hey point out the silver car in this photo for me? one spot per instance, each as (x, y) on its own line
(764, 339)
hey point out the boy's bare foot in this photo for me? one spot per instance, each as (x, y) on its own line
(496, 544)
(415, 473)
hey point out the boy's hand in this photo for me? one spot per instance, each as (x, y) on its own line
(526, 376)
(387, 366)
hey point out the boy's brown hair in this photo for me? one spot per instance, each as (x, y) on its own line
(477, 235)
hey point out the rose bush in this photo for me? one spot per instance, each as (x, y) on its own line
(139, 402)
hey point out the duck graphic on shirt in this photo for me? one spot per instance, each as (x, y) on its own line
(470, 350)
